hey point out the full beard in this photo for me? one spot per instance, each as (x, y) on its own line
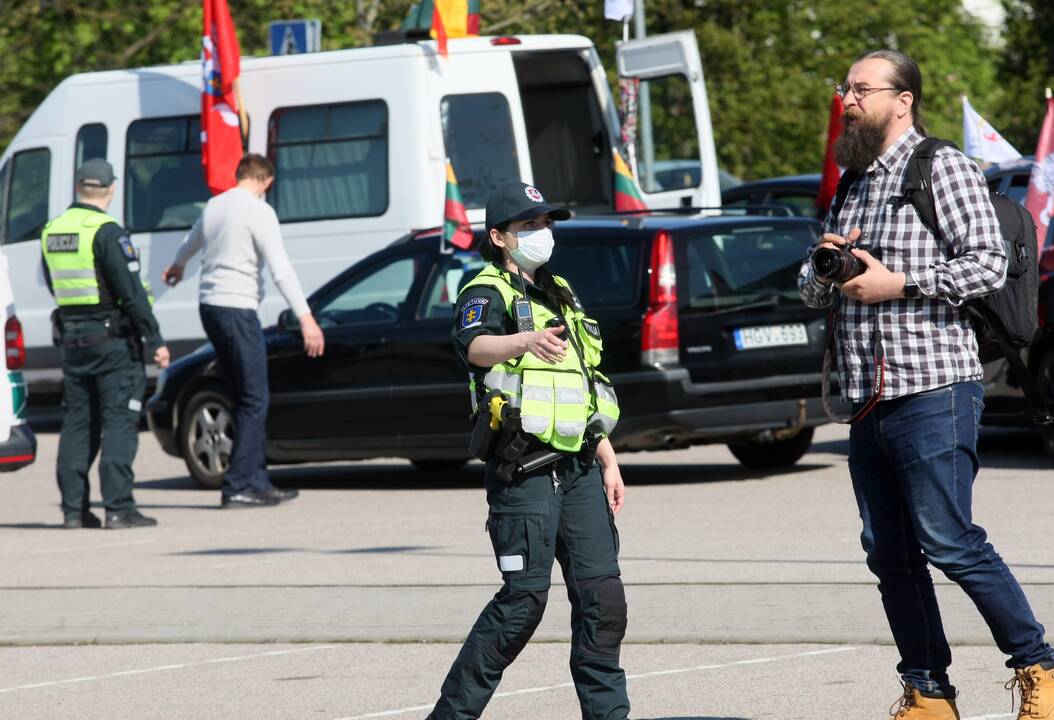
(861, 142)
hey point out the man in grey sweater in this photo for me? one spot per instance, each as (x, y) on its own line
(238, 234)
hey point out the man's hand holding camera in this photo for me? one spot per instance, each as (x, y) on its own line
(870, 282)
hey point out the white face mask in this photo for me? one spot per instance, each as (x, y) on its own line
(533, 249)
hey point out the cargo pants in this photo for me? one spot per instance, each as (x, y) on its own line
(559, 512)
(103, 383)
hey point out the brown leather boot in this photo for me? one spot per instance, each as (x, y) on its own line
(1036, 686)
(913, 705)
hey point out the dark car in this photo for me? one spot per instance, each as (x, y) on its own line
(796, 192)
(705, 340)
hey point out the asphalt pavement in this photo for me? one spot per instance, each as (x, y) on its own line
(748, 594)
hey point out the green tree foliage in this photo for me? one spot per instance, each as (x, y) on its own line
(770, 65)
(1026, 68)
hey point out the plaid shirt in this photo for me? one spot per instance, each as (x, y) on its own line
(929, 341)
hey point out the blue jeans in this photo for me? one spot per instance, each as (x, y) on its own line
(913, 461)
(236, 335)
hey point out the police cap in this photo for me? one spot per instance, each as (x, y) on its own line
(514, 201)
(95, 173)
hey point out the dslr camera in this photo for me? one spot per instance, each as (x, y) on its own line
(836, 264)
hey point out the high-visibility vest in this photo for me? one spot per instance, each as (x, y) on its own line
(68, 245)
(558, 403)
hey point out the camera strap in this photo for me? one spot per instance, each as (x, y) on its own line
(878, 382)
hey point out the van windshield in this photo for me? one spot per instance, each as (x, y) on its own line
(743, 265)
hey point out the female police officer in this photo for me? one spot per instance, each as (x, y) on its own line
(545, 365)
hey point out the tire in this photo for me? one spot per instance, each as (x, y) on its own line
(1045, 388)
(773, 454)
(438, 466)
(206, 436)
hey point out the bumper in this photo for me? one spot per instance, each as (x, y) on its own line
(19, 450)
(664, 409)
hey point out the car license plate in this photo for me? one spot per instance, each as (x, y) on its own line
(770, 336)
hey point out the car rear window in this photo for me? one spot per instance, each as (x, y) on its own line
(603, 274)
(739, 265)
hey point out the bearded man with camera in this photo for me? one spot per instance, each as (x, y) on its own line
(907, 360)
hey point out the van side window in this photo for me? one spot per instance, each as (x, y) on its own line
(674, 142)
(91, 144)
(4, 172)
(27, 195)
(164, 184)
(331, 161)
(477, 132)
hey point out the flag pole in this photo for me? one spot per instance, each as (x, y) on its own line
(243, 117)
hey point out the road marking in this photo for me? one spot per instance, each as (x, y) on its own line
(639, 676)
(1000, 716)
(159, 668)
(82, 548)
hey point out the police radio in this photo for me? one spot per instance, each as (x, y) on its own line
(521, 309)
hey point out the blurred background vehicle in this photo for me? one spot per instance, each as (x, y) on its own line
(18, 444)
(705, 339)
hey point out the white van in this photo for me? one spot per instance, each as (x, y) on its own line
(18, 444)
(359, 139)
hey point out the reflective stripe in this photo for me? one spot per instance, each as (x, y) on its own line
(570, 428)
(606, 393)
(76, 292)
(570, 395)
(73, 275)
(534, 424)
(602, 423)
(541, 394)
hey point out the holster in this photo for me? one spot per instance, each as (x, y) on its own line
(56, 328)
(587, 455)
(121, 326)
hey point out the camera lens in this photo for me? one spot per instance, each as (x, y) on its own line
(826, 262)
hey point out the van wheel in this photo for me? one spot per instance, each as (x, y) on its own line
(438, 466)
(1045, 389)
(206, 436)
(774, 453)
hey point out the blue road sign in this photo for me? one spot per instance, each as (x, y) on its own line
(291, 37)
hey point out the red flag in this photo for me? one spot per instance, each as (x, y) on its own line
(1040, 198)
(831, 171)
(221, 132)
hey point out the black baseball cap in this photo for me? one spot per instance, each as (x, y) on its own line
(514, 201)
(95, 173)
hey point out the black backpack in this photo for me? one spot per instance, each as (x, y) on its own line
(1005, 321)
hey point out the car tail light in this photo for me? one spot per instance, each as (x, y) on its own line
(505, 40)
(15, 344)
(660, 335)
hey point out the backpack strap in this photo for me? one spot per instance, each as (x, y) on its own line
(844, 183)
(918, 181)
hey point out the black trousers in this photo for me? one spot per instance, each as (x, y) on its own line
(102, 398)
(532, 522)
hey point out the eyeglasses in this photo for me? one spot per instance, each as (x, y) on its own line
(860, 90)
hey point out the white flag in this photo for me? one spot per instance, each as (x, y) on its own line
(618, 9)
(982, 141)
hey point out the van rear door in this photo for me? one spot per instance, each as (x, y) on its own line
(673, 155)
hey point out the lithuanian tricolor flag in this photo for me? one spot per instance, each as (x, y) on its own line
(456, 229)
(627, 198)
(446, 18)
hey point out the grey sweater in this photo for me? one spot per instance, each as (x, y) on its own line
(239, 233)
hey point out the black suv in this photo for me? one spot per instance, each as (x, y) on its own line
(705, 339)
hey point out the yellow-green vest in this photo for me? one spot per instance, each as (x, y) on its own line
(68, 246)
(558, 403)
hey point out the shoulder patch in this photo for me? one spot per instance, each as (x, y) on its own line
(127, 248)
(63, 242)
(473, 312)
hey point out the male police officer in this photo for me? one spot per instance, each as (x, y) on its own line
(105, 328)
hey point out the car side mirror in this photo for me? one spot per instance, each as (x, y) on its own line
(288, 321)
